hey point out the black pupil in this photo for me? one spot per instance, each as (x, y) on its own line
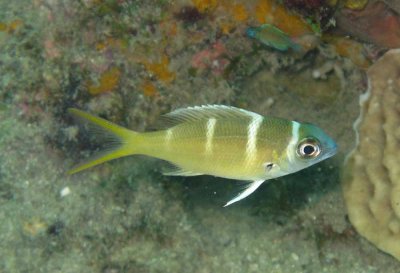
(308, 150)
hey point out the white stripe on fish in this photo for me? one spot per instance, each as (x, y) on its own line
(293, 141)
(168, 137)
(210, 134)
(252, 131)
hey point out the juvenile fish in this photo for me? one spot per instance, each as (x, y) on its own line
(272, 36)
(219, 140)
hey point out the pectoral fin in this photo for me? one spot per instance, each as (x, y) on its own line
(251, 187)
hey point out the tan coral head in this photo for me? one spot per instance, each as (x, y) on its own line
(371, 182)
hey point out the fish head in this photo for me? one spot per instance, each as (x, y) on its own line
(309, 145)
(251, 32)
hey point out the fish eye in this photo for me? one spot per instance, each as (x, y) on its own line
(308, 148)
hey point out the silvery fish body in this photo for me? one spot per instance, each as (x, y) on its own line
(222, 141)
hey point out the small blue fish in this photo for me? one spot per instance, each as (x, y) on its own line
(272, 36)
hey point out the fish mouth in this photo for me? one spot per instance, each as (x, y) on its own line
(331, 151)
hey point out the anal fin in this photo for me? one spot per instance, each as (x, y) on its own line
(250, 188)
(174, 170)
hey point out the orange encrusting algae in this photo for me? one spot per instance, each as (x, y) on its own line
(239, 12)
(149, 89)
(263, 12)
(351, 49)
(12, 26)
(111, 43)
(169, 28)
(268, 12)
(160, 69)
(34, 227)
(205, 5)
(108, 81)
(234, 15)
(227, 27)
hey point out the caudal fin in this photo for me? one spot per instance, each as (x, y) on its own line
(119, 141)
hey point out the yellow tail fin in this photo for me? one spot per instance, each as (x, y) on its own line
(121, 141)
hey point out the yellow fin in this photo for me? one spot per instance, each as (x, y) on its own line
(119, 141)
(175, 170)
(181, 172)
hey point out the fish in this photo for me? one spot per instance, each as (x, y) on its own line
(272, 36)
(217, 140)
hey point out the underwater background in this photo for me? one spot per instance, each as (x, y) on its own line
(132, 61)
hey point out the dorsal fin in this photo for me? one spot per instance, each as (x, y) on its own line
(204, 112)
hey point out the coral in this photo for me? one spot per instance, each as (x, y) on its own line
(108, 81)
(371, 184)
(376, 23)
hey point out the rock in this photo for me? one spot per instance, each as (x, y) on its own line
(372, 174)
(393, 4)
(376, 23)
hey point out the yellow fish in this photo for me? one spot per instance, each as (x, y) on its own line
(219, 140)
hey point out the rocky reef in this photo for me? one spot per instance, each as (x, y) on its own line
(132, 61)
(372, 178)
